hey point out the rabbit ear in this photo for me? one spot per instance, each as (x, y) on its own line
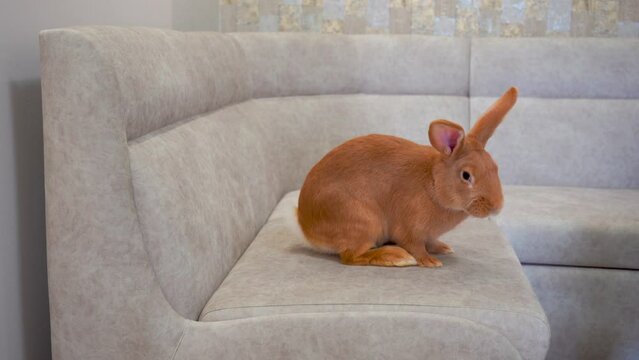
(488, 121)
(445, 136)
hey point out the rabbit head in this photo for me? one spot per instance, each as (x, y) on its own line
(465, 177)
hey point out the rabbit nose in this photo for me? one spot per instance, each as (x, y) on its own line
(497, 202)
(497, 206)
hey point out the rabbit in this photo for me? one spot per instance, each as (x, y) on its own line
(376, 189)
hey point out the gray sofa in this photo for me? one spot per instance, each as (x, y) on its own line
(172, 162)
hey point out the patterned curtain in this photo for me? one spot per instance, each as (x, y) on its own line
(601, 18)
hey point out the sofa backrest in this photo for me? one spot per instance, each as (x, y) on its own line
(576, 122)
(181, 144)
(286, 64)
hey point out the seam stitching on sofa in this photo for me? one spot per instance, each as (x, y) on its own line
(251, 85)
(531, 314)
(176, 124)
(144, 240)
(470, 72)
(470, 83)
(543, 322)
(142, 138)
(178, 344)
(578, 266)
(481, 325)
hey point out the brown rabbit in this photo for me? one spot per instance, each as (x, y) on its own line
(378, 188)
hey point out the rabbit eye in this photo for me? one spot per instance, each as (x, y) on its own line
(466, 176)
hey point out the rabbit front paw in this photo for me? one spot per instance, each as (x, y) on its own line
(439, 247)
(429, 261)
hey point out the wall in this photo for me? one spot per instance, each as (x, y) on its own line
(606, 18)
(24, 315)
(195, 15)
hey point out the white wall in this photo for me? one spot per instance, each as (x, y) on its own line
(196, 15)
(24, 314)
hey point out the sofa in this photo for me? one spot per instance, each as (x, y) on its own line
(172, 167)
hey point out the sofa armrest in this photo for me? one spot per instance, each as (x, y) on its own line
(104, 298)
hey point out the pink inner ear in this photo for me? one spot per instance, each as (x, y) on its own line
(448, 138)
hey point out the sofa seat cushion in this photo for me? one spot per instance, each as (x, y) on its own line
(482, 282)
(572, 226)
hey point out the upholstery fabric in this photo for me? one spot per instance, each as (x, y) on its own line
(555, 67)
(592, 312)
(202, 195)
(483, 282)
(174, 86)
(345, 335)
(566, 142)
(105, 301)
(312, 64)
(572, 226)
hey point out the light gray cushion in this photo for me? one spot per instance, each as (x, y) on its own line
(345, 335)
(567, 142)
(572, 226)
(204, 187)
(592, 312)
(556, 67)
(483, 282)
(314, 64)
(172, 86)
